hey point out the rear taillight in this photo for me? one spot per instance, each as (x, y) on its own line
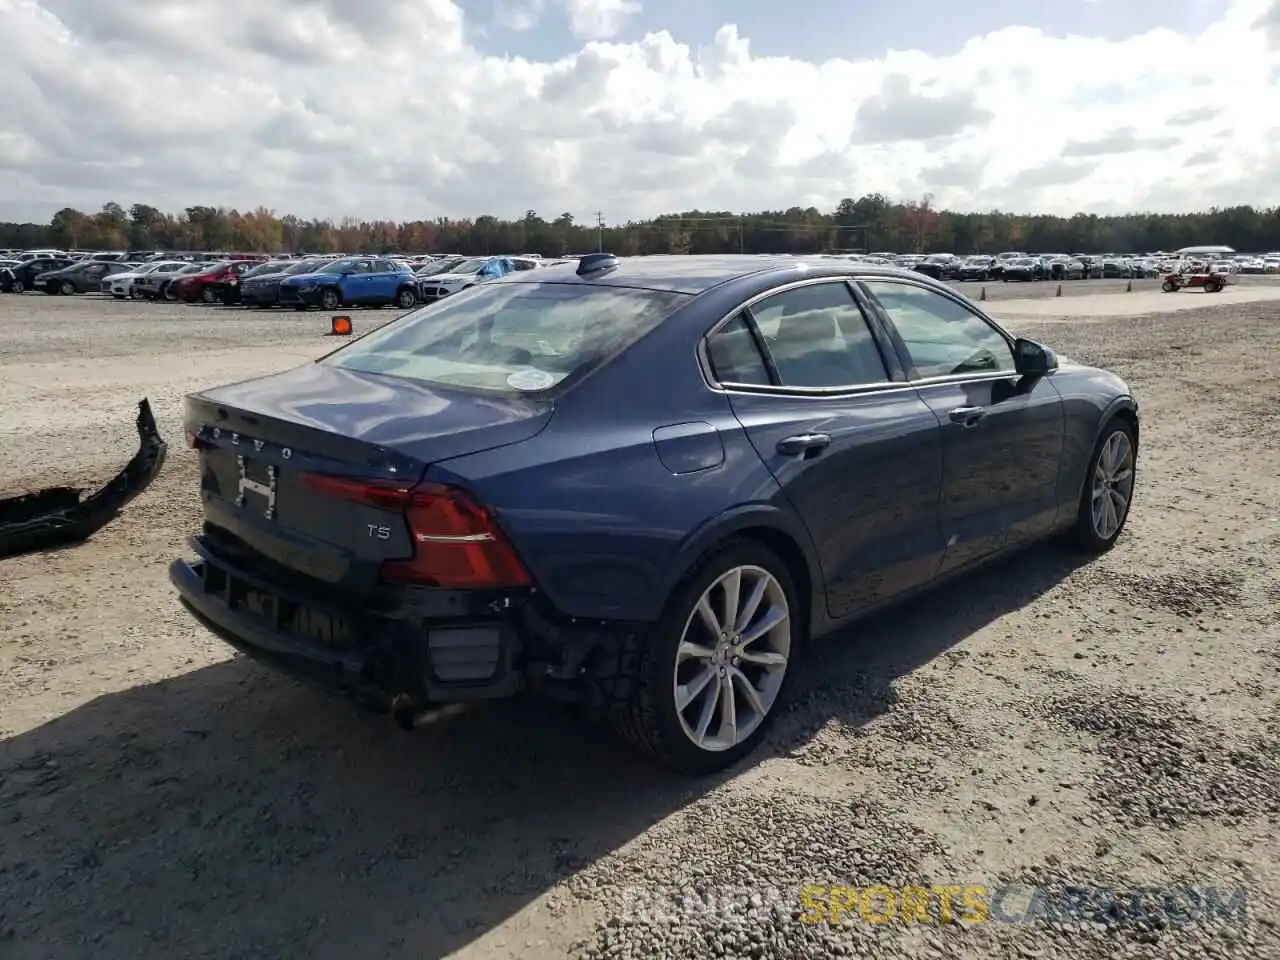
(457, 543)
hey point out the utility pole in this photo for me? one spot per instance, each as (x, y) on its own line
(599, 232)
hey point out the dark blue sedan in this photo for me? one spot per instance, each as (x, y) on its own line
(639, 484)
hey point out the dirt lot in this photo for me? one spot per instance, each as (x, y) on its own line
(1044, 722)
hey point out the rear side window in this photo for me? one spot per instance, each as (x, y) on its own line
(818, 337)
(734, 356)
(510, 337)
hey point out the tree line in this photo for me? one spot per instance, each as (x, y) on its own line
(869, 223)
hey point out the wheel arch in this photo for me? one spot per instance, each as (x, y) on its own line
(774, 529)
(1122, 408)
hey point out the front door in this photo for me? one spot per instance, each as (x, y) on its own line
(1002, 433)
(388, 280)
(857, 454)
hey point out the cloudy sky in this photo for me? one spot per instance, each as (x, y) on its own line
(424, 108)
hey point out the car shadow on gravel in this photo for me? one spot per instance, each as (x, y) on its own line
(229, 812)
(849, 677)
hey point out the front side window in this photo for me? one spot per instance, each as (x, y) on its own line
(509, 338)
(818, 337)
(943, 337)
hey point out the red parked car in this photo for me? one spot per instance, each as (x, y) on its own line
(202, 286)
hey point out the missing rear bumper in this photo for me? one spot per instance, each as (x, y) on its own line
(391, 661)
(56, 516)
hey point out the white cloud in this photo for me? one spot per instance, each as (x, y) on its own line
(599, 19)
(518, 15)
(338, 107)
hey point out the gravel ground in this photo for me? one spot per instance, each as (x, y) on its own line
(1043, 724)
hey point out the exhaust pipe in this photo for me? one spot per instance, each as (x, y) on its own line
(409, 714)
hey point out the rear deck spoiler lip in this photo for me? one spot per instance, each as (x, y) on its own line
(56, 516)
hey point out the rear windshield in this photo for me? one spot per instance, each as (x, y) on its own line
(510, 337)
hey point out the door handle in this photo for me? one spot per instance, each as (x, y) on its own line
(967, 416)
(809, 444)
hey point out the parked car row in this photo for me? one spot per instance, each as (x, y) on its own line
(1057, 266)
(329, 282)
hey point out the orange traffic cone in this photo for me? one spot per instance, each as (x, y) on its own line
(339, 327)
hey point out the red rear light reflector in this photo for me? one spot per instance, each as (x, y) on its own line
(457, 542)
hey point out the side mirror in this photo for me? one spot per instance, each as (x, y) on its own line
(1031, 359)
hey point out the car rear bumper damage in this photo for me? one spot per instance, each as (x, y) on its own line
(405, 654)
(56, 515)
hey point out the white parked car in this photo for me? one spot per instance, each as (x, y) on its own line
(120, 286)
(1227, 269)
(471, 272)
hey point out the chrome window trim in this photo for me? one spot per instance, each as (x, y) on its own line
(708, 374)
(822, 393)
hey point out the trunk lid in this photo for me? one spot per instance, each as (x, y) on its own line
(257, 440)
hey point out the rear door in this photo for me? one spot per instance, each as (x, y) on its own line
(854, 448)
(1002, 433)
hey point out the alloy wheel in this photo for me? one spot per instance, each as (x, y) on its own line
(732, 658)
(1113, 479)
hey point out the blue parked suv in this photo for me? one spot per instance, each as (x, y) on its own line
(352, 281)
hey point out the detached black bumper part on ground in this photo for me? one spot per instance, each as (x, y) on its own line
(56, 516)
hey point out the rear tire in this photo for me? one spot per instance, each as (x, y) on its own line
(648, 670)
(18, 287)
(208, 295)
(1109, 482)
(1169, 286)
(67, 288)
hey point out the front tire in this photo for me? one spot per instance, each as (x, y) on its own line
(330, 300)
(699, 690)
(406, 299)
(18, 287)
(1108, 488)
(68, 288)
(208, 295)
